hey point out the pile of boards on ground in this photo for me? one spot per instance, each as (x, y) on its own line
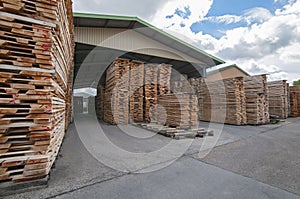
(137, 92)
(36, 64)
(278, 99)
(295, 101)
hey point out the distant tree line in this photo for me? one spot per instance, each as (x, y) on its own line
(296, 83)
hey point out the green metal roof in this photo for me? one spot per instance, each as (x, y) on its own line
(146, 24)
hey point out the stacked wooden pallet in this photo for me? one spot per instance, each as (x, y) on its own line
(164, 78)
(99, 101)
(136, 100)
(223, 101)
(178, 110)
(257, 102)
(36, 55)
(295, 101)
(278, 98)
(176, 133)
(116, 103)
(150, 91)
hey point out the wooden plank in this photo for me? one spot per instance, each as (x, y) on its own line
(20, 68)
(27, 19)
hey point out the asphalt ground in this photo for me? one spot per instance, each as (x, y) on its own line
(237, 162)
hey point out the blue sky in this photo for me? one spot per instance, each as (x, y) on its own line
(231, 7)
(260, 36)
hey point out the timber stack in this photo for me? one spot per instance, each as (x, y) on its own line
(257, 101)
(223, 101)
(164, 78)
(295, 101)
(150, 91)
(278, 98)
(178, 110)
(289, 99)
(180, 83)
(99, 101)
(116, 110)
(136, 101)
(36, 60)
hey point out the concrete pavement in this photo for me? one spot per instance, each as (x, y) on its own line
(245, 162)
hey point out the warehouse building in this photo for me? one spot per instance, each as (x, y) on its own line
(100, 39)
(225, 72)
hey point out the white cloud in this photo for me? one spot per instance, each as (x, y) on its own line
(198, 9)
(257, 15)
(226, 19)
(143, 9)
(271, 46)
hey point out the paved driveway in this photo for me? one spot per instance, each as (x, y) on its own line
(245, 162)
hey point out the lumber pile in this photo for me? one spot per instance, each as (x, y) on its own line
(223, 101)
(178, 110)
(278, 98)
(150, 91)
(136, 101)
(195, 84)
(164, 78)
(289, 99)
(295, 101)
(257, 101)
(116, 103)
(36, 60)
(131, 91)
(99, 101)
(180, 83)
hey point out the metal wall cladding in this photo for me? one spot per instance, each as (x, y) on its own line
(128, 40)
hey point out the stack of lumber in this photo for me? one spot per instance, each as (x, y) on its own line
(136, 111)
(195, 84)
(223, 101)
(278, 99)
(69, 99)
(179, 110)
(150, 91)
(180, 83)
(289, 99)
(36, 60)
(164, 78)
(116, 103)
(100, 101)
(295, 101)
(257, 102)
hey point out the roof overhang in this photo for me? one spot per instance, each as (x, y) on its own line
(148, 30)
(90, 67)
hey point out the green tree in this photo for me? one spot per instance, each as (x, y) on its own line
(295, 83)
